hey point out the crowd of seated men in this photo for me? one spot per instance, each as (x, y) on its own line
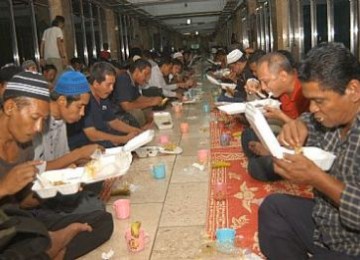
(63, 119)
(320, 104)
(53, 121)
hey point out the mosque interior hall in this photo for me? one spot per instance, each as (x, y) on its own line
(198, 122)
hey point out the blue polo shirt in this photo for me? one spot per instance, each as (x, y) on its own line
(97, 115)
(125, 90)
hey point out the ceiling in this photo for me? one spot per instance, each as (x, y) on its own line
(205, 15)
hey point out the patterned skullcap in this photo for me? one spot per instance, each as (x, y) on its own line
(72, 83)
(27, 84)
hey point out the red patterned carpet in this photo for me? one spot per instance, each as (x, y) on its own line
(244, 195)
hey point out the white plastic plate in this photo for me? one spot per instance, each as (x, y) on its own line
(177, 150)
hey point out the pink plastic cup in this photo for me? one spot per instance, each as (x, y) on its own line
(122, 208)
(184, 128)
(203, 155)
(164, 139)
(220, 191)
(136, 244)
(177, 108)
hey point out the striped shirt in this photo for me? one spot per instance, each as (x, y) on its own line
(338, 228)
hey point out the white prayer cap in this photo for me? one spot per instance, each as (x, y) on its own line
(234, 56)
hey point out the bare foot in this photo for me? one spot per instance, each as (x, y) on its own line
(61, 238)
(258, 149)
(105, 193)
(148, 126)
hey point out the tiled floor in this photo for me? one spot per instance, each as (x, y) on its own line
(173, 210)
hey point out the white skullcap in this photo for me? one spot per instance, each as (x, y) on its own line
(136, 57)
(234, 56)
(177, 55)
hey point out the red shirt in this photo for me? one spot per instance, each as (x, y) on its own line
(296, 103)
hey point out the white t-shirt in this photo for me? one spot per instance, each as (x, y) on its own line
(50, 37)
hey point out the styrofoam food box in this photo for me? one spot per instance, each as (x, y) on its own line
(163, 120)
(321, 158)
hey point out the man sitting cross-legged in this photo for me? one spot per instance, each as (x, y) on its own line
(26, 106)
(328, 226)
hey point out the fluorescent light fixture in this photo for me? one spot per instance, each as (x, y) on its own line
(188, 21)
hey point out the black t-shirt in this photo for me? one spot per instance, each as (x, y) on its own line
(97, 115)
(125, 90)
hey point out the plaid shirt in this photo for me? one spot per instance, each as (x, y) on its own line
(338, 228)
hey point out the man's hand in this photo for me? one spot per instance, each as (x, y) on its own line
(252, 86)
(156, 101)
(296, 168)
(18, 177)
(293, 134)
(274, 113)
(86, 151)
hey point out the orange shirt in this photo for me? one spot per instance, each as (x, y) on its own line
(295, 104)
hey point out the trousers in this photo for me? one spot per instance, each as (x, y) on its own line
(286, 230)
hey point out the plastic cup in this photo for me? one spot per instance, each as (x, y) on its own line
(203, 156)
(164, 139)
(225, 139)
(184, 128)
(225, 236)
(136, 244)
(122, 208)
(159, 171)
(220, 191)
(206, 108)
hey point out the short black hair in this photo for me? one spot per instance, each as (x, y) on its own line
(139, 64)
(121, 65)
(332, 65)
(165, 61)
(69, 99)
(7, 72)
(48, 67)
(75, 60)
(289, 56)
(100, 70)
(58, 19)
(177, 62)
(255, 56)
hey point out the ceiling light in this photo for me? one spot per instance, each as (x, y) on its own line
(196, 33)
(188, 21)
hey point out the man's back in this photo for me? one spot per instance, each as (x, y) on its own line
(50, 37)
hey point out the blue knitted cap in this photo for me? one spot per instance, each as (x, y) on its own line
(72, 83)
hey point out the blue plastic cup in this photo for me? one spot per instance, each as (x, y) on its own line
(159, 171)
(225, 236)
(206, 108)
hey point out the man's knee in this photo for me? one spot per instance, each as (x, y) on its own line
(102, 224)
